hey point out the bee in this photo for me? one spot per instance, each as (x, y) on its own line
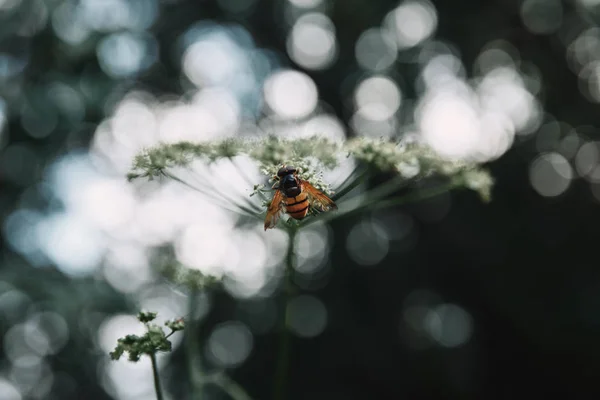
(294, 196)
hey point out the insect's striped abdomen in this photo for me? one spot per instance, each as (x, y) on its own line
(297, 207)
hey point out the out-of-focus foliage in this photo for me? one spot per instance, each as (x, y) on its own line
(446, 298)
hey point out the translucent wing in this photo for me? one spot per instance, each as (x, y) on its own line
(317, 198)
(274, 211)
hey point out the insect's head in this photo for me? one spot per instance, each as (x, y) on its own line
(286, 170)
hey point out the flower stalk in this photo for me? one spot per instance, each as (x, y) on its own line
(157, 385)
(229, 386)
(194, 368)
(283, 350)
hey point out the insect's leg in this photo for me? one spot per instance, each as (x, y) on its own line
(276, 183)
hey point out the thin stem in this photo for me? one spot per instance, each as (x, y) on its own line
(229, 386)
(388, 187)
(281, 373)
(378, 203)
(222, 194)
(170, 334)
(373, 195)
(207, 193)
(242, 171)
(351, 176)
(221, 201)
(194, 368)
(347, 188)
(417, 196)
(157, 388)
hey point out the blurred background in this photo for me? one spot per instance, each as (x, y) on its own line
(448, 298)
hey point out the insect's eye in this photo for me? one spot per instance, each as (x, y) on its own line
(291, 170)
(282, 171)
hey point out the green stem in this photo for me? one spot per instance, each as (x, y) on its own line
(378, 203)
(283, 361)
(416, 196)
(157, 388)
(194, 368)
(387, 188)
(242, 172)
(206, 192)
(373, 195)
(348, 187)
(222, 201)
(229, 386)
(350, 177)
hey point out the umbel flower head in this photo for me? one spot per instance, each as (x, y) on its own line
(410, 160)
(197, 166)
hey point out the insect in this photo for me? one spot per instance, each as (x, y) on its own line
(294, 196)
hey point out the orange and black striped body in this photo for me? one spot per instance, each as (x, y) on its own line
(295, 196)
(297, 207)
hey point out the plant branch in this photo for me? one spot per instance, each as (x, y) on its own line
(416, 196)
(229, 386)
(347, 187)
(195, 374)
(373, 195)
(221, 201)
(245, 175)
(281, 373)
(157, 387)
(374, 203)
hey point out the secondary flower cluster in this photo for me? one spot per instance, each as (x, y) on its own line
(153, 341)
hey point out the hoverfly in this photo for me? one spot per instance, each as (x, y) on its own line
(294, 196)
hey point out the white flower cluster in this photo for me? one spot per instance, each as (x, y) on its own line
(415, 160)
(411, 160)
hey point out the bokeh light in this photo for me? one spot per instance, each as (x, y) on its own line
(411, 23)
(126, 54)
(542, 16)
(229, 344)
(291, 94)
(449, 325)
(312, 42)
(376, 49)
(477, 123)
(377, 98)
(367, 243)
(307, 316)
(9, 391)
(550, 174)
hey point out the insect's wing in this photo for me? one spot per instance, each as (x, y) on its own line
(317, 198)
(274, 210)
